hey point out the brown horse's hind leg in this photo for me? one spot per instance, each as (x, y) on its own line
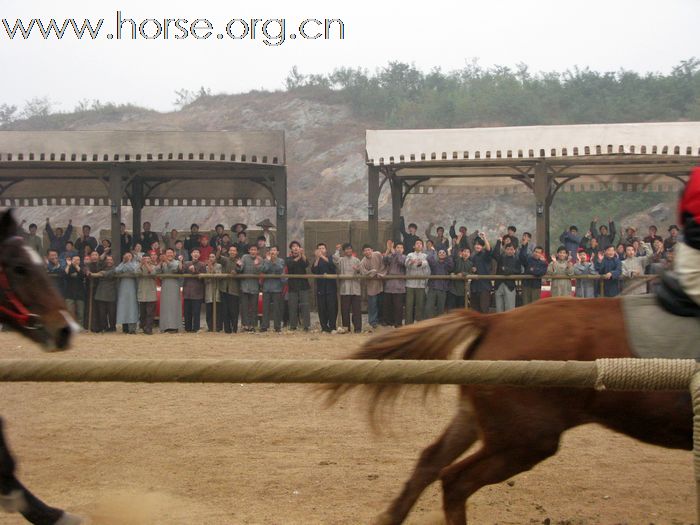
(17, 498)
(459, 435)
(487, 466)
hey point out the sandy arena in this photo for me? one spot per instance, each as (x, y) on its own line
(271, 454)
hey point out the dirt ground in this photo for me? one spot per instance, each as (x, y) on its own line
(271, 454)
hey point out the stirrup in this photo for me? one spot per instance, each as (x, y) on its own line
(13, 502)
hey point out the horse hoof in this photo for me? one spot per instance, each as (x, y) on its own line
(383, 519)
(13, 502)
(71, 519)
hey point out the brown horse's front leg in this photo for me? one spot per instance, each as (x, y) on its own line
(486, 467)
(14, 497)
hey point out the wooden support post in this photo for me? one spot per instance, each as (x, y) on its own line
(215, 284)
(543, 200)
(466, 292)
(136, 207)
(280, 194)
(91, 295)
(117, 175)
(338, 317)
(396, 203)
(373, 206)
(468, 298)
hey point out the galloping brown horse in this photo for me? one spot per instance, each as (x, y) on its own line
(519, 428)
(30, 304)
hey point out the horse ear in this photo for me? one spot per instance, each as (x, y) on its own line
(8, 225)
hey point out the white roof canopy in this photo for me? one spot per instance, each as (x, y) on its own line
(202, 168)
(629, 157)
(532, 142)
(254, 147)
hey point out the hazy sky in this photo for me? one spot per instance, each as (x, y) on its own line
(641, 35)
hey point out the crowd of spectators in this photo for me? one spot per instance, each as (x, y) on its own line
(395, 279)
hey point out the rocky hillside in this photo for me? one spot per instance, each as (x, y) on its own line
(325, 158)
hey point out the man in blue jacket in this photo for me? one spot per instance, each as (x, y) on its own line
(535, 264)
(59, 238)
(610, 267)
(437, 288)
(326, 290)
(409, 237)
(571, 241)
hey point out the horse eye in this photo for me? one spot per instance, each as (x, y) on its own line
(20, 270)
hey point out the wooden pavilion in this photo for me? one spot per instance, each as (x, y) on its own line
(144, 168)
(537, 159)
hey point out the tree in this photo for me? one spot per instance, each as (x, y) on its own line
(295, 79)
(185, 97)
(400, 95)
(37, 107)
(7, 113)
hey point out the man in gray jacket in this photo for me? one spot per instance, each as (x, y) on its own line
(457, 296)
(417, 269)
(106, 297)
(272, 290)
(634, 266)
(437, 288)
(372, 266)
(251, 264)
(350, 289)
(394, 289)
(147, 294)
(230, 289)
(32, 239)
(605, 235)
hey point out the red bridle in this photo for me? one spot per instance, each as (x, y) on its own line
(12, 308)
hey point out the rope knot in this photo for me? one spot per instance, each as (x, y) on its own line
(644, 374)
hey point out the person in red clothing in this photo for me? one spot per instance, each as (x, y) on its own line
(205, 249)
(679, 289)
(687, 252)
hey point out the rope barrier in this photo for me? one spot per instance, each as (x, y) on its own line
(604, 374)
(655, 374)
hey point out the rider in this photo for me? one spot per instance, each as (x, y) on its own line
(687, 261)
(679, 291)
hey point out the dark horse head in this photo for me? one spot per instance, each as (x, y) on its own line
(29, 302)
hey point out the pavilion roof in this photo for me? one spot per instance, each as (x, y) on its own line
(256, 147)
(532, 142)
(593, 157)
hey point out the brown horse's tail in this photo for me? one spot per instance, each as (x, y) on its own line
(442, 338)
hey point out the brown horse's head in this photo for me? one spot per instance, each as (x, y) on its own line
(29, 302)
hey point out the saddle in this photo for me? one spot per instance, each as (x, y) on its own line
(673, 299)
(654, 331)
